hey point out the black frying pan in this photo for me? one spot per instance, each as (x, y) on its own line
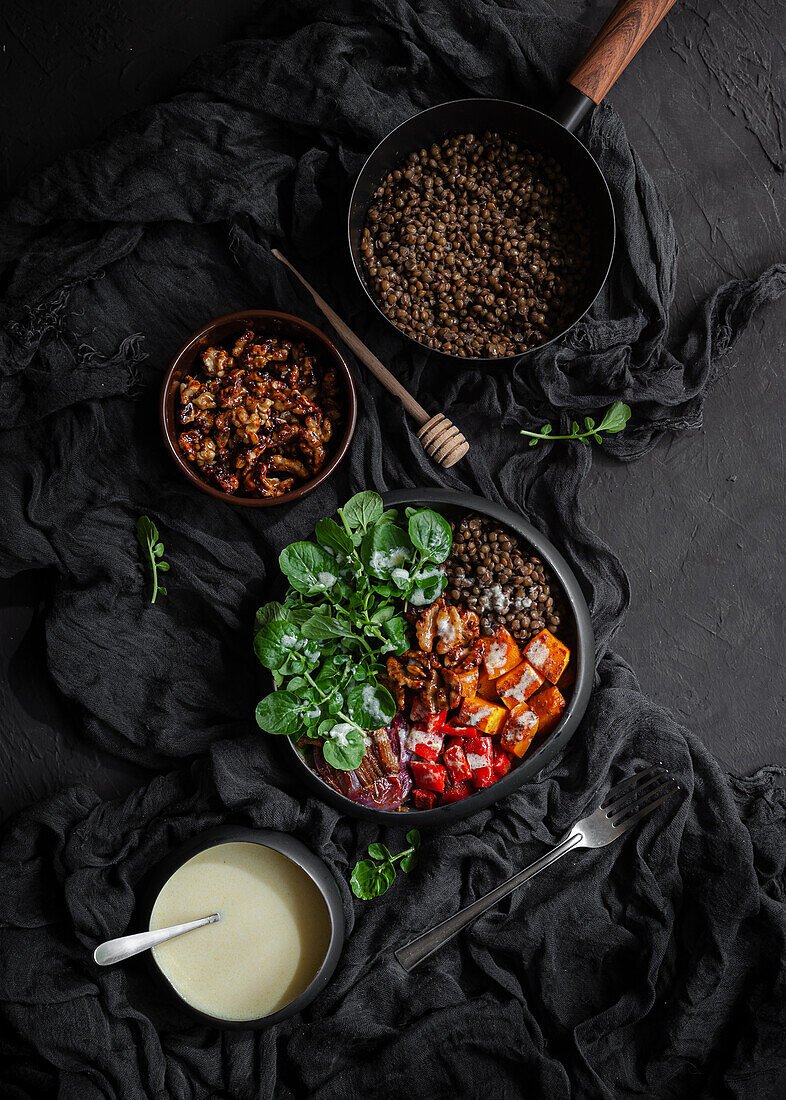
(620, 38)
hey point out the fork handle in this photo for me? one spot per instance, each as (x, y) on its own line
(414, 952)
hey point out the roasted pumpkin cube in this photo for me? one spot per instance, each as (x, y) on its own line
(548, 704)
(520, 728)
(548, 655)
(517, 685)
(468, 681)
(482, 715)
(487, 688)
(501, 654)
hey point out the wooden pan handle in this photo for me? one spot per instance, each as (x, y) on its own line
(616, 44)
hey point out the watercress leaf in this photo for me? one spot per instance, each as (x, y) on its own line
(409, 862)
(332, 536)
(275, 643)
(146, 532)
(370, 880)
(431, 534)
(413, 838)
(597, 438)
(380, 852)
(319, 628)
(362, 510)
(268, 613)
(533, 442)
(617, 416)
(390, 515)
(395, 630)
(308, 567)
(546, 429)
(409, 512)
(371, 706)
(162, 590)
(345, 747)
(163, 567)
(384, 549)
(300, 686)
(158, 549)
(575, 427)
(589, 423)
(384, 614)
(279, 712)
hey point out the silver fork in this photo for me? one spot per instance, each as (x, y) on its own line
(624, 806)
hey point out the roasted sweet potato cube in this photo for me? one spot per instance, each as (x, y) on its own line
(487, 688)
(501, 654)
(520, 728)
(517, 685)
(548, 655)
(548, 704)
(483, 716)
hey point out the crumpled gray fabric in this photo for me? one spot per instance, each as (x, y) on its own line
(655, 968)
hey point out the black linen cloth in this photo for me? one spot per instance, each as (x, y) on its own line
(655, 967)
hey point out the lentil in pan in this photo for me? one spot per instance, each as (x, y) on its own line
(491, 574)
(477, 247)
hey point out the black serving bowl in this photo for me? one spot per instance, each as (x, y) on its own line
(580, 637)
(288, 846)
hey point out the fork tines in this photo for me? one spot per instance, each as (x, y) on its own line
(639, 795)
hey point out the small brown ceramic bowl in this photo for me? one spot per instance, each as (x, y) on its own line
(264, 322)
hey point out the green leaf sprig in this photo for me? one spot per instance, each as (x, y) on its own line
(327, 642)
(615, 419)
(373, 877)
(147, 536)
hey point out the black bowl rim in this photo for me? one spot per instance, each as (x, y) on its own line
(293, 849)
(502, 360)
(240, 317)
(574, 712)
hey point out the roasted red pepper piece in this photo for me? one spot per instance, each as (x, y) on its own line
(424, 743)
(456, 791)
(436, 722)
(456, 761)
(480, 756)
(424, 800)
(428, 776)
(502, 763)
(460, 731)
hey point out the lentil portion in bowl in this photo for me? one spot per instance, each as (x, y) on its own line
(492, 573)
(259, 415)
(477, 247)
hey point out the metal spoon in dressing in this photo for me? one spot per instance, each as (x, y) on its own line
(114, 951)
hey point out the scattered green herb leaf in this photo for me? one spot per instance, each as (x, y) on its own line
(615, 419)
(372, 877)
(148, 539)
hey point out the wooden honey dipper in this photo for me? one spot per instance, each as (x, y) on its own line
(440, 437)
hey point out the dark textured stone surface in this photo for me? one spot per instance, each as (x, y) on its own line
(698, 523)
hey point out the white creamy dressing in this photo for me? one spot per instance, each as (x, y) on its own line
(269, 944)
(387, 559)
(518, 691)
(326, 579)
(537, 652)
(372, 707)
(496, 654)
